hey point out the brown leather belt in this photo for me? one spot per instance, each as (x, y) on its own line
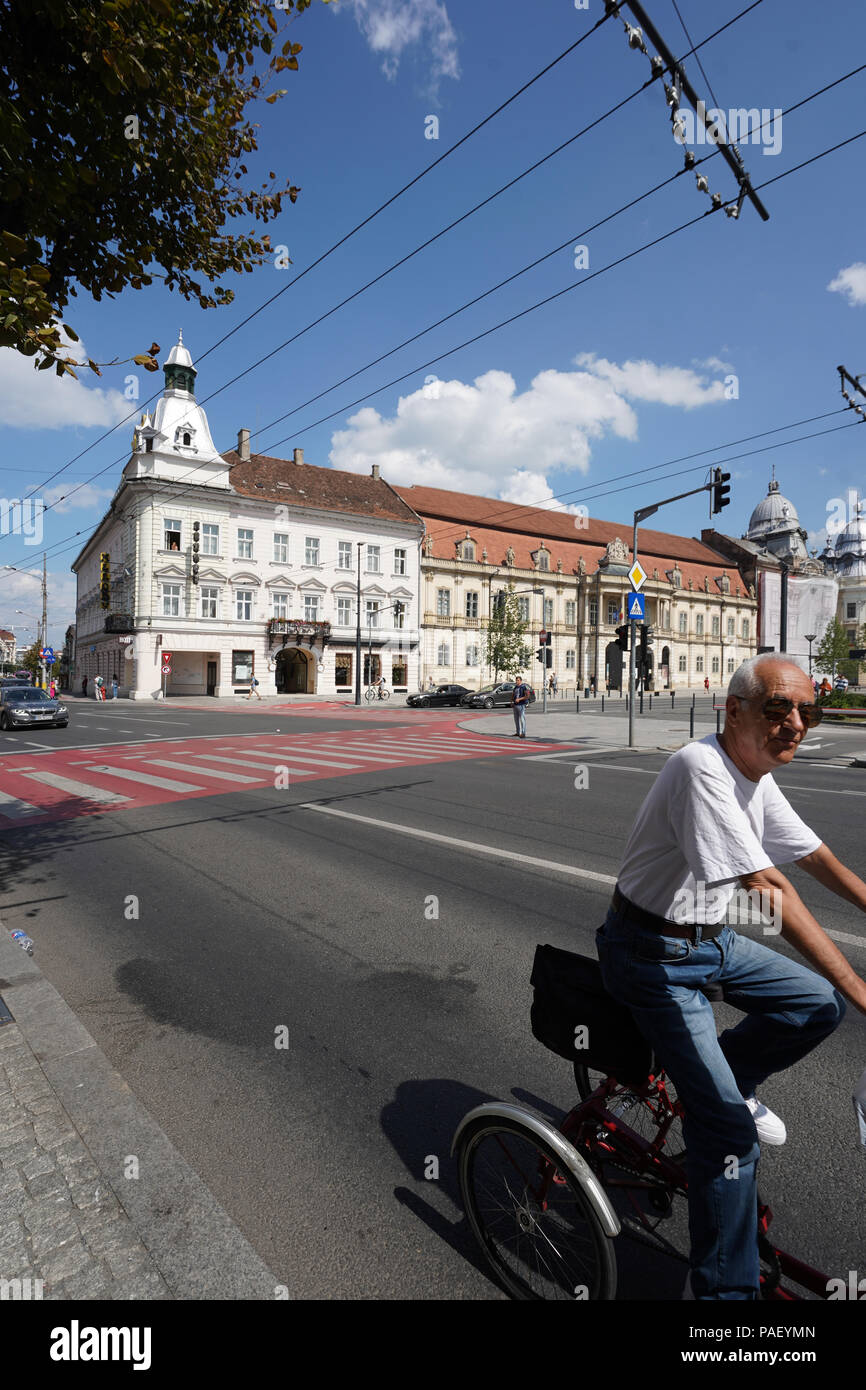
(662, 925)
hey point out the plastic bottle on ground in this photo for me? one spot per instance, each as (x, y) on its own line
(24, 941)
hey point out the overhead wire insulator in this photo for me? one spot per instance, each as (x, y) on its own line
(690, 159)
(657, 65)
(717, 200)
(635, 37)
(702, 182)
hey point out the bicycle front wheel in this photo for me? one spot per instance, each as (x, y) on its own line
(536, 1225)
(370, 696)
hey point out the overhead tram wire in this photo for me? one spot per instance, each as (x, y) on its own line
(415, 371)
(59, 547)
(140, 405)
(365, 222)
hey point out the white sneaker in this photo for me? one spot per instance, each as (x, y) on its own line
(771, 1130)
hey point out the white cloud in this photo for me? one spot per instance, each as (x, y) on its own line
(87, 496)
(32, 400)
(490, 439)
(20, 590)
(713, 364)
(645, 381)
(393, 26)
(852, 282)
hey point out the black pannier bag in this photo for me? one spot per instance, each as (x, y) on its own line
(570, 995)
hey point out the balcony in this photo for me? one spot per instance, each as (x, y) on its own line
(298, 627)
(119, 622)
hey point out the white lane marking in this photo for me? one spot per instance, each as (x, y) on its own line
(206, 771)
(254, 762)
(822, 791)
(551, 864)
(128, 774)
(304, 758)
(363, 757)
(75, 788)
(16, 809)
(136, 719)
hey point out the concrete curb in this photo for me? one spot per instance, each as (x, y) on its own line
(191, 1241)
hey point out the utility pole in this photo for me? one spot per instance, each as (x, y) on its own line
(358, 631)
(44, 615)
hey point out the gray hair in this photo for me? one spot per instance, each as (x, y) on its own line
(746, 682)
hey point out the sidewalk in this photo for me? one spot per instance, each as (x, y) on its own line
(608, 731)
(94, 1200)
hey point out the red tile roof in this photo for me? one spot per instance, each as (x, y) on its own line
(305, 485)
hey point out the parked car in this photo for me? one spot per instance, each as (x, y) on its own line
(490, 696)
(23, 706)
(24, 677)
(442, 695)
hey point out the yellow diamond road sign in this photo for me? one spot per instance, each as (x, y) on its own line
(637, 574)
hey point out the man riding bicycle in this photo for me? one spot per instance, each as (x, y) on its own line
(714, 824)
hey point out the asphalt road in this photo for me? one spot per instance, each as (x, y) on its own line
(398, 965)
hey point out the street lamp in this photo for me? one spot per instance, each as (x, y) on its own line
(810, 638)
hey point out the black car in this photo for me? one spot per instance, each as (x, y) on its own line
(442, 695)
(25, 706)
(14, 680)
(490, 696)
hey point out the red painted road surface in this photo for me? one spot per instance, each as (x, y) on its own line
(61, 785)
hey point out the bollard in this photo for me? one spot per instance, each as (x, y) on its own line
(673, 692)
(577, 704)
(692, 722)
(640, 707)
(718, 721)
(693, 699)
(651, 704)
(602, 704)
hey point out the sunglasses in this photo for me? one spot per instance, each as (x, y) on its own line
(778, 707)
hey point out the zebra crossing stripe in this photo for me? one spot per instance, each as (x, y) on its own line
(16, 809)
(208, 772)
(305, 758)
(272, 766)
(75, 788)
(129, 774)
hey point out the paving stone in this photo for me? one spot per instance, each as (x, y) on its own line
(10, 1182)
(127, 1264)
(13, 1203)
(148, 1284)
(42, 1163)
(16, 1263)
(50, 1228)
(50, 1133)
(49, 1185)
(11, 1233)
(15, 1133)
(75, 1155)
(17, 1154)
(73, 1258)
(91, 1283)
(43, 1106)
(88, 1194)
(111, 1237)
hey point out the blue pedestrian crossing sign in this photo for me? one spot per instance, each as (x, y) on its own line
(636, 611)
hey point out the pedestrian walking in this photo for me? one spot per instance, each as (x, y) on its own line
(519, 697)
(99, 682)
(52, 691)
(254, 689)
(84, 687)
(592, 685)
(707, 684)
(114, 687)
(554, 682)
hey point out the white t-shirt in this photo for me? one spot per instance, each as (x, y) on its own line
(702, 826)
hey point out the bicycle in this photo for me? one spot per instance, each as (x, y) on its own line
(537, 1195)
(375, 692)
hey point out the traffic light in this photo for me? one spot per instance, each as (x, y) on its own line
(105, 579)
(548, 655)
(721, 490)
(622, 637)
(196, 532)
(541, 655)
(642, 649)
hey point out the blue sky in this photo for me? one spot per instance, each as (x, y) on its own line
(626, 372)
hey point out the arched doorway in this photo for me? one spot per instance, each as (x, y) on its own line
(665, 672)
(295, 672)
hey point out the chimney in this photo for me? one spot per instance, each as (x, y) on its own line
(375, 470)
(244, 444)
(299, 456)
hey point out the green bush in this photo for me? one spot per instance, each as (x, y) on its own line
(840, 699)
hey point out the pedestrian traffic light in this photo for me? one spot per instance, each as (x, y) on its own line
(721, 490)
(622, 637)
(105, 579)
(541, 655)
(548, 655)
(642, 648)
(196, 532)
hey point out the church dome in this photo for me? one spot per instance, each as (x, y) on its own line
(773, 515)
(179, 355)
(850, 548)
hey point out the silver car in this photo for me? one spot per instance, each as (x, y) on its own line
(25, 706)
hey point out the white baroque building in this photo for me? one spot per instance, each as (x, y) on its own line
(243, 565)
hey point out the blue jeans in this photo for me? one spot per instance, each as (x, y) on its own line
(789, 1011)
(519, 718)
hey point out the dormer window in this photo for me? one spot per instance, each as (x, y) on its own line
(541, 558)
(184, 436)
(467, 550)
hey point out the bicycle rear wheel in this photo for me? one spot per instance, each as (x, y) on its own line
(537, 1226)
(643, 1114)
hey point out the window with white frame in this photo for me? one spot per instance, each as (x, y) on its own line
(472, 603)
(468, 550)
(593, 612)
(399, 612)
(311, 550)
(245, 543)
(443, 603)
(443, 654)
(373, 605)
(210, 539)
(171, 601)
(699, 624)
(281, 547)
(715, 626)
(523, 607)
(172, 534)
(731, 626)
(548, 612)
(745, 629)
(374, 559)
(210, 597)
(344, 555)
(699, 665)
(570, 660)
(570, 611)
(399, 562)
(682, 663)
(471, 656)
(311, 608)
(344, 612)
(613, 611)
(280, 600)
(730, 665)
(715, 665)
(244, 605)
(684, 623)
